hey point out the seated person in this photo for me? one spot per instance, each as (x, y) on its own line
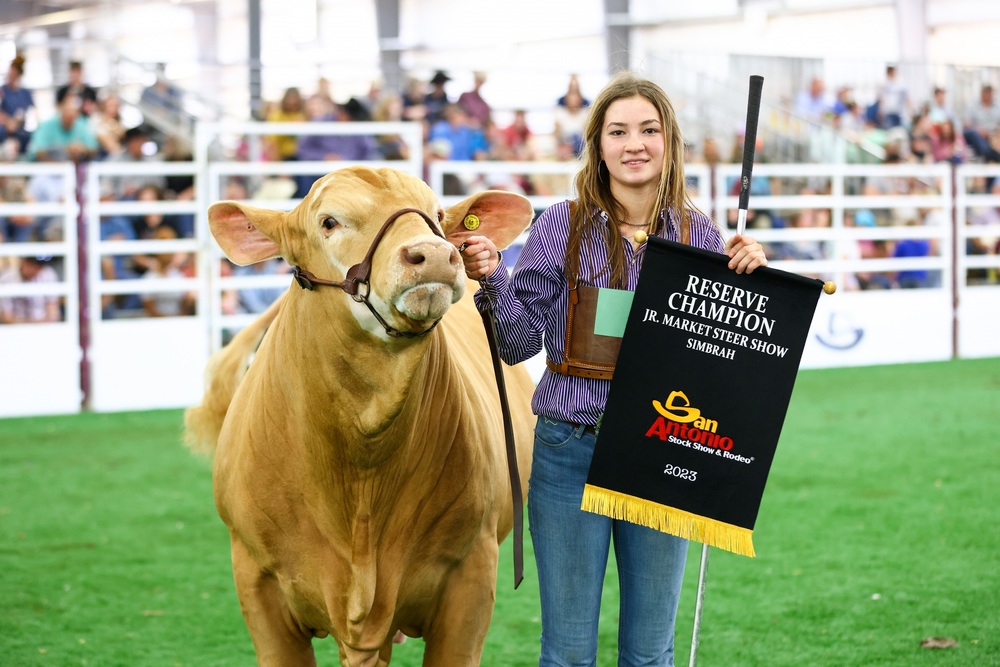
(118, 267)
(25, 309)
(167, 265)
(257, 299)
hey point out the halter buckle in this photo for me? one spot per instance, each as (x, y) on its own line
(300, 278)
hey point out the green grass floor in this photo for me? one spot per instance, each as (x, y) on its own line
(879, 527)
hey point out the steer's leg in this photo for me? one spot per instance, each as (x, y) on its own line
(457, 632)
(277, 637)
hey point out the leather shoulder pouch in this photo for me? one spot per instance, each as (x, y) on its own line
(585, 353)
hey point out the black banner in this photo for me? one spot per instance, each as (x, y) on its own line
(699, 395)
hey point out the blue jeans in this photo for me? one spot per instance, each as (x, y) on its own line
(571, 552)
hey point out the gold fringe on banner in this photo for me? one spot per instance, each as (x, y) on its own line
(668, 520)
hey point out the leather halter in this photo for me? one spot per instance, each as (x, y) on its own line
(359, 275)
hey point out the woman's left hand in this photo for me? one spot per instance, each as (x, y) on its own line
(745, 254)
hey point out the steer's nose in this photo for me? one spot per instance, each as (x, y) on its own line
(430, 252)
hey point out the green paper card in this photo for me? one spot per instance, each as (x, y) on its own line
(613, 306)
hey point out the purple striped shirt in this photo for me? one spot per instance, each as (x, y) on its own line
(530, 304)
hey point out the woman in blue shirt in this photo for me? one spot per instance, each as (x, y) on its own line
(15, 105)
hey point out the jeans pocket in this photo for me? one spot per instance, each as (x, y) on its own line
(553, 433)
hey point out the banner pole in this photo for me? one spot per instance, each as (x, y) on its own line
(749, 148)
(699, 605)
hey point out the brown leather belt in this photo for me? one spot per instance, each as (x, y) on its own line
(578, 370)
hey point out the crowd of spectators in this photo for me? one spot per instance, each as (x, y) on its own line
(463, 128)
(87, 125)
(899, 129)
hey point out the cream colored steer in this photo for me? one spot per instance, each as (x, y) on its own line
(360, 464)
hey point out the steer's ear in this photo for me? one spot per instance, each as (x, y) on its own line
(500, 216)
(245, 233)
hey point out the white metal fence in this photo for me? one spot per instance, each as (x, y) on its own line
(833, 221)
(139, 362)
(823, 237)
(40, 362)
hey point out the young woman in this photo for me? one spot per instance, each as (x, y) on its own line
(17, 104)
(632, 178)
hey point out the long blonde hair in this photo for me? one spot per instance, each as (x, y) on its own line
(593, 182)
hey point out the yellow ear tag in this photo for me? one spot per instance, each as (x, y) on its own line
(471, 222)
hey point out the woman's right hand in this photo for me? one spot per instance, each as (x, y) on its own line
(480, 257)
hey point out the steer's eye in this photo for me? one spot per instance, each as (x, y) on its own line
(440, 215)
(329, 223)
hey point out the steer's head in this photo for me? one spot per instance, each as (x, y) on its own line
(413, 273)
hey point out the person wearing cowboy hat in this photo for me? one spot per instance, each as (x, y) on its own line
(437, 99)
